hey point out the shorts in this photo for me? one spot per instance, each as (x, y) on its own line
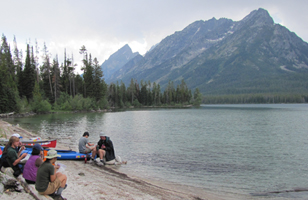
(86, 151)
(52, 187)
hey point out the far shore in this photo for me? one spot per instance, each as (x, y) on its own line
(112, 109)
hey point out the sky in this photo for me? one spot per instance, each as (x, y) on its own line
(104, 26)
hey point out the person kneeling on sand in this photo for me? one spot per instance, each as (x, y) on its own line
(106, 151)
(48, 180)
(85, 146)
(32, 165)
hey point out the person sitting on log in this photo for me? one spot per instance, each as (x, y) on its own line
(12, 157)
(32, 165)
(18, 149)
(48, 180)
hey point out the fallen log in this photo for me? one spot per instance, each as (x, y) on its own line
(6, 114)
(10, 183)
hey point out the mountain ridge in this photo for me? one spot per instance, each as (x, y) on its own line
(223, 56)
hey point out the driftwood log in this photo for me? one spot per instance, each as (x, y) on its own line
(6, 114)
(10, 183)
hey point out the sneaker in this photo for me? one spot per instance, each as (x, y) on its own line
(60, 190)
(102, 161)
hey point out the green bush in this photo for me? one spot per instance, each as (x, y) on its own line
(39, 106)
(76, 102)
(66, 106)
(22, 105)
(127, 104)
(103, 104)
(136, 103)
(56, 106)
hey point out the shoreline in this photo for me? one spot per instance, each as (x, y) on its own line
(89, 181)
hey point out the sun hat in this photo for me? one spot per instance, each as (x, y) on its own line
(52, 154)
(38, 147)
(102, 134)
(17, 135)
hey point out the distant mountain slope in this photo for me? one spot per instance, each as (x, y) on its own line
(253, 55)
(117, 60)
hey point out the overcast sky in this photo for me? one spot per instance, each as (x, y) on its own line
(104, 26)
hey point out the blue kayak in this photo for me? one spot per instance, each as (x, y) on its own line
(72, 155)
(65, 154)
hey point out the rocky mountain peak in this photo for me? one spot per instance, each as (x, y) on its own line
(222, 56)
(258, 18)
(117, 60)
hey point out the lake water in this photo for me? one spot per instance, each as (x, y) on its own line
(237, 150)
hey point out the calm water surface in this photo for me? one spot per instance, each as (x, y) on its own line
(232, 149)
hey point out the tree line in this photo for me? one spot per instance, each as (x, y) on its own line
(29, 85)
(255, 98)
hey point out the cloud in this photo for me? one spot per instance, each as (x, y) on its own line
(105, 26)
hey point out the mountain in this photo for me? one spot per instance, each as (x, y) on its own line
(253, 55)
(117, 60)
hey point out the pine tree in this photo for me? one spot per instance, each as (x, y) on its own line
(56, 78)
(28, 76)
(98, 87)
(197, 97)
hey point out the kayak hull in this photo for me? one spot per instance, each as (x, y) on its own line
(45, 144)
(30, 143)
(65, 154)
(72, 155)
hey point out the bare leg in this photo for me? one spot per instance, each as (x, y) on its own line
(62, 178)
(93, 152)
(101, 153)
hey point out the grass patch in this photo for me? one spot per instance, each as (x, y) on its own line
(2, 133)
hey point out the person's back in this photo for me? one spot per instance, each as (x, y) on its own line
(30, 169)
(83, 141)
(43, 176)
(32, 165)
(48, 180)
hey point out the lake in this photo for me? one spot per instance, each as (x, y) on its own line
(237, 150)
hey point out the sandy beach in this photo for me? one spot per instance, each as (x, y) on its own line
(90, 181)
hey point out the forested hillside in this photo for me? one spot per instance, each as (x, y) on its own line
(29, 85)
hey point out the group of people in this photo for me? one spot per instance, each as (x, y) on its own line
(104, 148)
(44, 174)
(35, 171)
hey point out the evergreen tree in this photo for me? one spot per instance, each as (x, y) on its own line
(98, 85)
(56, 78)
(7, 76)
(197, 97)
(88, 77)
(46, 74)
(28, 76)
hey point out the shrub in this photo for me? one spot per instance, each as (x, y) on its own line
(22, 105)
(40, 105)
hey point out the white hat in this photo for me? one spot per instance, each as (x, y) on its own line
(17, 135)
(52, 154)
(101, 134)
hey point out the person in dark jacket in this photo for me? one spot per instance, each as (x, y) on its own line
(105, 149)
